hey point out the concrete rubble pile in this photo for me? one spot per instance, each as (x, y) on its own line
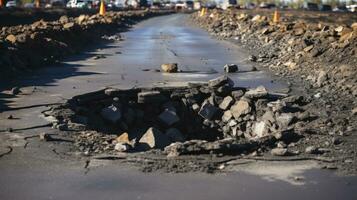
(200, 118)
(316, 58)
(26, 47)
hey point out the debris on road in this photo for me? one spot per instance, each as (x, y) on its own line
(230, 68)
(316, 57)
(169, 67)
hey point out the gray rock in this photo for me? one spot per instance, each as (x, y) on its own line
(154, 138)
(260, 129)
(224, 90)
(174, 135)
(68, 25)
(121, 147)
(111, 113)
(15, 91)
(227, 115)
(354, 111)
(230, 68)
(169, 117)
(45, 137)
(252, 58)
(279, 152)
(240, 108)
(226, 103)
(237, 94)
(284, 119)
(232, 123)
(169, 67)
(219, 81)
(258, 92)
(321, 78)
(195, 107)
(63, 19)
(268, 116)
(312, 150)
(151, 97)
(81, 19)
(207, 111)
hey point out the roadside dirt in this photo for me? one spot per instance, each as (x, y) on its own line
(22, 16)
(317, 57)
(24, 48)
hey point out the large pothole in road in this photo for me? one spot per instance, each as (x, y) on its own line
(214, 117)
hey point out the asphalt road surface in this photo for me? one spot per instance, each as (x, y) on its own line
(38, 170)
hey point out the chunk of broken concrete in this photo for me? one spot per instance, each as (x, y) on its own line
(121, 147)
(227, 115)
(284, 119)
(240, 108)
(15, 91)
(174, 135)
(279, 152)
(123, 138)
(169, 117)
(45, 137)
(260, 129)
(169, 67)
(151, 97)
(154, 138)
(111, 113)
(219, 81)
(230, 68)
(226, 103)
(258, 92)
(207, 111)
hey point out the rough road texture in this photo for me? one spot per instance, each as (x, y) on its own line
(26, 47)
(318, 58)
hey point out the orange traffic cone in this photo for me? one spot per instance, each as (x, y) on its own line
(102, 8)
(276, 17)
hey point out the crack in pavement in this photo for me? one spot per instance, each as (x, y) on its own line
(6, 153)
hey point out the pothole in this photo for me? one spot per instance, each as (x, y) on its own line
(201, 118)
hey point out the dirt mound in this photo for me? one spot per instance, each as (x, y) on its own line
(27, 47)
(318, 59)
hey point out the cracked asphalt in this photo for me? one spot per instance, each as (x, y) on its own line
(33, 169)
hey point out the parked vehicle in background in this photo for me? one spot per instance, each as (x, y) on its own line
(156, 5)
(197, 5)
(118, 4)
(249, 6)
(11, 4)
(79, 4)
(29, 5)
(267, 5)
(228, 4)
(352, 8)
(340, 9)
(210, 5)
(56, 4)
(169, 5)
(187, 5)
(310, 6)
(325, 7)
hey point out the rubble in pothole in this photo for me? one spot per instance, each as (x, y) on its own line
(214, 117)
